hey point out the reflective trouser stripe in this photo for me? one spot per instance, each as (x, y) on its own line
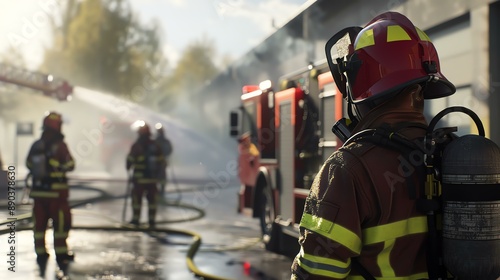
(39, 237)
(60, 235)
(59, 186)
(61, 222)
(136, 207)
(44, 194)
(147, 181)
(61, 250)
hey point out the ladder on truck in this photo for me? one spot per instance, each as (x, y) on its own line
(51, 86)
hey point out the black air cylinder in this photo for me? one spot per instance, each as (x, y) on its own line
(471, 208)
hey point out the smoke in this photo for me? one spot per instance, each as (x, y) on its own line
(97, 129)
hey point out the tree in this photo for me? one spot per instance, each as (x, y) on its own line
(194, 69)
(100, 44)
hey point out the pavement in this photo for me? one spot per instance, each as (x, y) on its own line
(199, 235)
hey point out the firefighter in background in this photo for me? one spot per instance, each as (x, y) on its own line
(248, 161)
(48, 161)
(146, 159)
(359, 217)
(166, 147)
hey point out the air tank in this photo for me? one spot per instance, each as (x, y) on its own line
(471, 208)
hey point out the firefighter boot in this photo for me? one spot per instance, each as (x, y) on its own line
(63, 261)
(42, 260)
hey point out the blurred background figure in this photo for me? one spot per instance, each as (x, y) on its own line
(146, 159)
(48, 161)
(249, 160)
(166, 147)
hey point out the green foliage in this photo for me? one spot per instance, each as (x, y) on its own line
(100, 44)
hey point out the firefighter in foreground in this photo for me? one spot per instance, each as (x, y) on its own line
(166, 147)
(359, 217)
(48, 161)
(146, 159)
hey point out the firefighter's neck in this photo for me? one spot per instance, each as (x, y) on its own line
(406, 106)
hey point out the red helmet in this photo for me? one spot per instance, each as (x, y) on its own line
(52, 121)
(387, 55)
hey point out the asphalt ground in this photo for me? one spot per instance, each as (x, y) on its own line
(199, 235)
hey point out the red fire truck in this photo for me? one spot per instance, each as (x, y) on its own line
(49, 85)
(292, 128)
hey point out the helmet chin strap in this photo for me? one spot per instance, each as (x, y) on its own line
(350, 104)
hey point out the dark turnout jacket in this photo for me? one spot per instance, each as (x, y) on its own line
(57, 161)
(359, 209)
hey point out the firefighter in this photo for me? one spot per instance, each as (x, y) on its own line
(166, 147)
(248, 162)
(146, 159)
(48, 161)
(359, 218)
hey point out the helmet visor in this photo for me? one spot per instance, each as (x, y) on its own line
(338, 50)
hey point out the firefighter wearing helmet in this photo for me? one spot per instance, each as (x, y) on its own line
(146, 160)
(360, 218)
(48, 161)
(166, 147)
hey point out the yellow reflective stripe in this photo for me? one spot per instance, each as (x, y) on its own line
(63, 234)
(323, 271)
(422, 35)
(417, 276)
(61, 222)
(136, 205)
(68, 164)
(364, 39)
(397, 33)
(60, 250)
(332, 231)
(36, 194)
(384, 259)
(54, 162)
(147, 181)
(140, 158)
(39, 234)
(59, 186)
(323, 260)
(56, 174)
(394, 230)
(40, 250)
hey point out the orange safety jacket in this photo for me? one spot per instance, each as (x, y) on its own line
(359, 208)
(58, 161)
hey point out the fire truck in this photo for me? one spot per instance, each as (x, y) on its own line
(292, 127)
(49, 85)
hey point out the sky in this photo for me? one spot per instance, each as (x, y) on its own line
(235, 26)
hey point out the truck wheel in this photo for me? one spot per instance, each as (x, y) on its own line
(267, 217)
